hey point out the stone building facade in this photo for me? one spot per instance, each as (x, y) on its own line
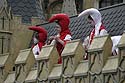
(17, 60)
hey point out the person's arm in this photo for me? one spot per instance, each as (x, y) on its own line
(67, 39)
(63, 42)
(51, 40)
(86, 43)
(103, 32)
(59, 40)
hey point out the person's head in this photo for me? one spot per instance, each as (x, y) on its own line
(40, 34)
(35, 38)
(58, 28)
(90, 20)
(62, 20)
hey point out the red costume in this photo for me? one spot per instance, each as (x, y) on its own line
(42, 36)
(63, 21)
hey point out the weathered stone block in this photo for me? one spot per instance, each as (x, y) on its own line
(111, 65)
(5, 39)
(99, 51)
(32, 76)
(121, 47)
(72, 54)
(122, 41)
(10, 78)
(81, 73)
(110, 70)
(68, 80)
(46, 60)
(3, 60)
(24, 62)
(21, 36)
(56, 74)
(5, 66)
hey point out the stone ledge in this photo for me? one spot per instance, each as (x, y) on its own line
(111, 65)
(3, 60)
(56, 72)
(82, 68)
(22, 57)
(32, 76)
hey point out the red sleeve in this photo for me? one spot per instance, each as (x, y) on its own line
(65, 41)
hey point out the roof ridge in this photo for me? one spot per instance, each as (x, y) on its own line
(112, 6)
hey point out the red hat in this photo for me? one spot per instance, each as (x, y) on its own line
(63, 21)
(42, 33)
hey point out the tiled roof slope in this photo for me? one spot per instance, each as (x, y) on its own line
(113, 18)
(26, 8)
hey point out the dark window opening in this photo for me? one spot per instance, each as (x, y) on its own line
(79, 5)
(104, 3)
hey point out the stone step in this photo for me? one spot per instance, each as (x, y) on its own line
(32, 76)
(23, 64)
(46, 60)
(56, 73)
(10, 78)
(5, 66)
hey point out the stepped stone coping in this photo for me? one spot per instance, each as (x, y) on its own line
(6, 32)
(111, 65)
(71, 47)
(56, 72)
(3, 60)
(32, 76)
(45, 52)
(122, 41)
(98, 43)
(82, 68)
(22, 57)
(10, 78)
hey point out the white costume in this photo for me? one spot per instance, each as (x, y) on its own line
(36, 50)
(96, 16)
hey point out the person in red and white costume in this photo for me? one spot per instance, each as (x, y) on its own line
(94, 17)
(64, 34)
(39, 39)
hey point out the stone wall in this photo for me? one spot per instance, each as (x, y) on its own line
(14, 36)
(101, 66)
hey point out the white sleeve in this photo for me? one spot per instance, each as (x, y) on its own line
(115, 41)
(68, 37)
(35, 50)
(103, 32)
(86, 43)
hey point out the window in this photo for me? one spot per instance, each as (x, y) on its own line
(56, 7)
(104, 3)
(79, 5)
(5, 35)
